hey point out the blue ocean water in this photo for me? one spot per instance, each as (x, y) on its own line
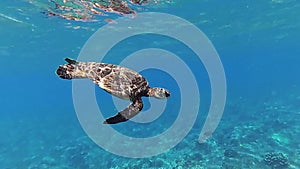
(258, 44)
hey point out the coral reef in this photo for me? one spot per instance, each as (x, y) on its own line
(276, 160)
(230, 153)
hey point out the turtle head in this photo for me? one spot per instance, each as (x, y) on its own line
(159, 93)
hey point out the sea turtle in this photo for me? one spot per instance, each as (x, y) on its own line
(119, 81)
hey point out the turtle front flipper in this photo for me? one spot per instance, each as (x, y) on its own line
(129, 112)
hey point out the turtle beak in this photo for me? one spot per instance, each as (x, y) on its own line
(167, 94)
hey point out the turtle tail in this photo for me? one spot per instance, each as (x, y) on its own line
(71, 70)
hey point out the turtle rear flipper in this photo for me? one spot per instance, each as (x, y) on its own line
(72, 70)
(64, 72)
(126, 114)
(71, 61)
